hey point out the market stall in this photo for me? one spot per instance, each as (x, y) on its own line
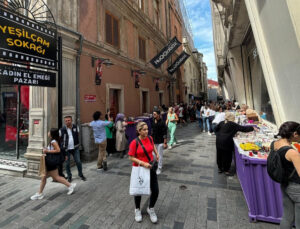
(262, 194)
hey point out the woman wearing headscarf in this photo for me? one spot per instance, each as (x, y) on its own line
(121, 140)
(225, 132)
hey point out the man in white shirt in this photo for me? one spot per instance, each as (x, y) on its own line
(220, 116)
(205, 117)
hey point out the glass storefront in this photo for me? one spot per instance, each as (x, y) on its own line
(258, 88)
(8, 121)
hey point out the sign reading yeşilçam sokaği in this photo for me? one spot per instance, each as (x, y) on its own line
(22, 39)
(22, 76)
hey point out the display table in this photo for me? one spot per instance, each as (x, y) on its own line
(131, 128)
(263, 195)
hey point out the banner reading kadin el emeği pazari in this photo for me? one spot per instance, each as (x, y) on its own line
(24, 40)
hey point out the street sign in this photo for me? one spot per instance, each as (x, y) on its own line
(25, 40)
(22, 76)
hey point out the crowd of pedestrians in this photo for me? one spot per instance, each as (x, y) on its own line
(146, 151)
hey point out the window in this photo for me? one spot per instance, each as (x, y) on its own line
(156, 12)
(142, 49)
(112, 29)
(175, 31)
(141, 5)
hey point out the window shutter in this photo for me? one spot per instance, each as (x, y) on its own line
(108, 28)
(142, 49)
(115, 32)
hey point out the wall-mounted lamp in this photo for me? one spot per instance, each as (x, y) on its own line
(136, 74)
(99, 72)
(156, 81)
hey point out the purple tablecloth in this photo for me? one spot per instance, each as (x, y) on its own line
(131, 129)
(263, 195)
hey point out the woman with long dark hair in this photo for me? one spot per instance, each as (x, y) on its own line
(52, 169)
(290, 158)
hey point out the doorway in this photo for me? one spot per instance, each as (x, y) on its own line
(8, 121)
(114, 102)
(161, 96)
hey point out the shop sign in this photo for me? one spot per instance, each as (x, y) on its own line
(36, 122)
(165, 53)
(178, 62)
(14, 75)
(24, 40)
(89, 98)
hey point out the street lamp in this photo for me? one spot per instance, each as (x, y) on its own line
(136, 74)
(99, 73)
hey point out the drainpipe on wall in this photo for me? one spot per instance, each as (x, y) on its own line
(77, 80)
(77, 118)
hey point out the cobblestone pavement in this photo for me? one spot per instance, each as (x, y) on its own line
(192, 195)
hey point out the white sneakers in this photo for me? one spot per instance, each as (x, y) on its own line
(152, 215)
(209, 133)
(203, 131)
(151, 212)
(158, 171)
(170, 147)
(37, 196)
(71, 189)
(138, 215)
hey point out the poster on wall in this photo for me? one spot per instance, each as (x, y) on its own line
(22, 39)
(89, 98)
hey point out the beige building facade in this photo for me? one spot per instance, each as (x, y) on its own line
(194, 71)
(258, 54)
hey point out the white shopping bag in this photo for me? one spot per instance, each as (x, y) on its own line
(139, 181)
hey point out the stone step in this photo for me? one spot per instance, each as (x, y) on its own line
(13, 168)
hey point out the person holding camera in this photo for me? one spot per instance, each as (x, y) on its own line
(140, 151)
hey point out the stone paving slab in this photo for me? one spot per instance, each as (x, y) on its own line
(192, 195)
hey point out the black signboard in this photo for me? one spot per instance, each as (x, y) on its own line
(164, 54)
(22, 76)
(24, 40)
(178, 62)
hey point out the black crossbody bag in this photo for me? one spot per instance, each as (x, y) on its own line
(153, 163)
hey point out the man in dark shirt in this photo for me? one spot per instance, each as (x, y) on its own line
(159, 135)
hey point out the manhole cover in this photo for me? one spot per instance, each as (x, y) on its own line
(182, 187)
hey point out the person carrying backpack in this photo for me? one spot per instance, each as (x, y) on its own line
(283, 166)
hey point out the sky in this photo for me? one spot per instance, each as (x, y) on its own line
(201, 22)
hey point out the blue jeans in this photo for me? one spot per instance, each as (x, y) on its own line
(76, 156)
(213, 127)
(200, 123)
(206, 125)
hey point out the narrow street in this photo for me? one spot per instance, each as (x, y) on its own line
(192, 194)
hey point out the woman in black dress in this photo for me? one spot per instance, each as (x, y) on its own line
(225, 132)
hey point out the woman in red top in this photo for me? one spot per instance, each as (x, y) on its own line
(138, 157)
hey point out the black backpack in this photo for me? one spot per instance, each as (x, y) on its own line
(275, 167)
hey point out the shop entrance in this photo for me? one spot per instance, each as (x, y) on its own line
(161, 96)
(9, 147)
(114, 102)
